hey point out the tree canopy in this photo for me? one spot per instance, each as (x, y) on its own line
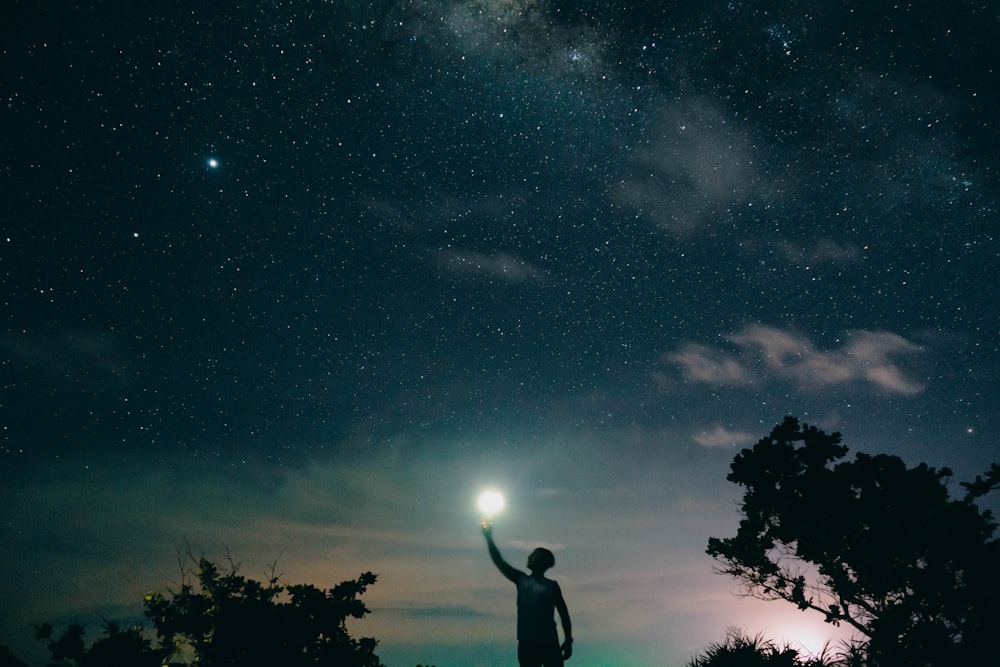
(218, 618)
(116, 647)
(869, 542)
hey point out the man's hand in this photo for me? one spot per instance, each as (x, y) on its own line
(567, 649)
(487, 529)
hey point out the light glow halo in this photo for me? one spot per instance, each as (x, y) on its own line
(490, 503)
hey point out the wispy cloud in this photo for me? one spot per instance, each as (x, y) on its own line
(703, 363)
(499, 266)
(719, 436)
(823, 251)
(82, 357)
(535, 544)
(767, 353)
(697, 166)
(439, 611)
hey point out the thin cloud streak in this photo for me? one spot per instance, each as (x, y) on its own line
(767, 353)
(499, 266)
(720, 436)
(825, 250)
(702, 363)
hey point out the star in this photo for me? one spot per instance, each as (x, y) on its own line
(212, 163)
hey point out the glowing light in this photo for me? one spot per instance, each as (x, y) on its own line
(213, 163)
(808, 635)
(490, 503)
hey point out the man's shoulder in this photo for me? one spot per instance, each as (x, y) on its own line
(539, 581)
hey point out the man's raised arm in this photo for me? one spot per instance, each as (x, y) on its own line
(505, 568)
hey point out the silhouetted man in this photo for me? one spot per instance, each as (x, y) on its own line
(538, 598)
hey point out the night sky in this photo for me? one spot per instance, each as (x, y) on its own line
(298, 279)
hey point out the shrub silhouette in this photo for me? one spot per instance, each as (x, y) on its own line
(8, 659)
(114, 648)
(219, 618)
(739, 650)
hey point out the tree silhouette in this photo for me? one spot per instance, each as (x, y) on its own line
(114, 648)
(218, 618)
(867, 542)
(7, 659)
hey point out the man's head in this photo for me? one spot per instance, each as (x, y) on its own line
(540, 560)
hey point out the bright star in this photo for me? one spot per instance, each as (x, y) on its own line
(213, 163)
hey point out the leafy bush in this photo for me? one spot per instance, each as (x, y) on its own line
(219, 618)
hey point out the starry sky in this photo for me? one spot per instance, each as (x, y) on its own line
(298, 279)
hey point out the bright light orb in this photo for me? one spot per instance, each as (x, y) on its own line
(490, 503)
(213, 163)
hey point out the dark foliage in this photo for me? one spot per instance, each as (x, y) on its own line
(223, 619)
(868, 542)
(738, 650)
(7, 659)
(114, 648)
